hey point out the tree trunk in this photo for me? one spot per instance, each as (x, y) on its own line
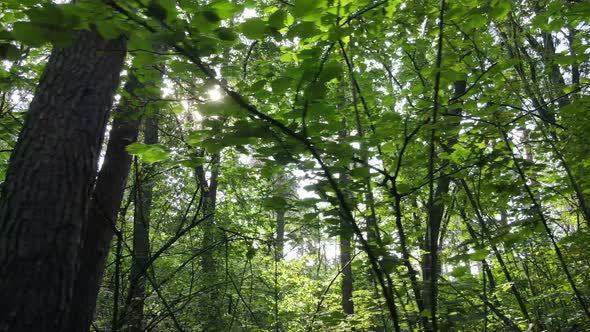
(108, 193)
(281, 188)
(280, 251)
(486, 233)
(211, 305)
(345, 265)
(46, 196)
(436, 206)
(345, 238)
(141, 233)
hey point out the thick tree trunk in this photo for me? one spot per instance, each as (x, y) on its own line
(50, 177)
(141, 233)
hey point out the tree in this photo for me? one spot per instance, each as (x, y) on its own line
(141, 231)
(41, 215)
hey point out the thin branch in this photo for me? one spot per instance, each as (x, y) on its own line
(245, 65)
(323, 296)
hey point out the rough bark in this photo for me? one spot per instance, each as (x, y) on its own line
(50, 177)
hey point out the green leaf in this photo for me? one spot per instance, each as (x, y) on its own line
(226, 34)
(30, 34)
(234, 139)
(331, 70)
(212, 146)
(36, 34)
(9, 52)
(48, 14)
(138, 41)
(226, 108)
(136, 148)
(475, 21)
(156, 10)
(460, 271)
(315, 91)
(206, 45)
(107, 29)
(425, 313)
(192, 162)
(275, 203)
(277, 19)
(177, 109)
(303, 7)
(303, 30)
(479, 254)
(506, 286)
(5, 35)
(254, 28)
(226, 9)
(211, 16)
(149, 153)
(244, 128)
(49, 23)
(281, 85)
(360, 172)
(283, 157)
(196, 137)
(500, 9)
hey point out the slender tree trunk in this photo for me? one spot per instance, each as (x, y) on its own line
(345, 240)
(117, 282)
(282, 188)
(575, 67)
(547, 51)
(281, 183)
(486, 233)
(538, 209)
(436, 206)
(211, 306)
(46, 196)
(412, 274)
(557, 84)
(372, 229)
(345, 234)
(279, 254)
(280, 236)
(347, 280)
(141, 233)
